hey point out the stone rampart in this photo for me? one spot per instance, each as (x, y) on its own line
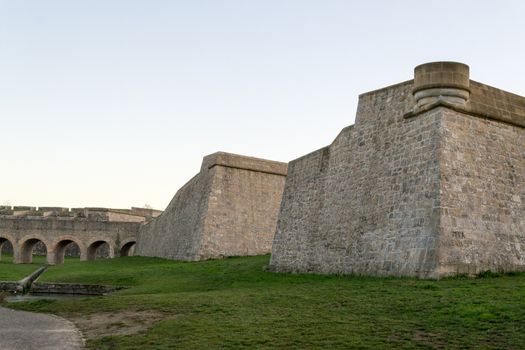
(426, 189)
(229, 208)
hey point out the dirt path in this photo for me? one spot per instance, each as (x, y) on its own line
(125, 322)
(28, 330)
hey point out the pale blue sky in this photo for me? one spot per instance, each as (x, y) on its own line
(114, 103)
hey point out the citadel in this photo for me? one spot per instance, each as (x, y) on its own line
(429, 182)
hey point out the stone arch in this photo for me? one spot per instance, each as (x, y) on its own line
(27, 243)
(127, 247)
(59, 248)
(94, 244)
(4, 238)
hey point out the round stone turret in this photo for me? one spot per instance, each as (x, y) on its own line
(445, 81)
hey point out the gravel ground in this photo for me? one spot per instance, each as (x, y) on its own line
(28, 330)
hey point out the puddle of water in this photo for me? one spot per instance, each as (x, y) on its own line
(42, 296)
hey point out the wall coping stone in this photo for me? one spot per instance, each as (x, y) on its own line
(236, 161)
(465, 110)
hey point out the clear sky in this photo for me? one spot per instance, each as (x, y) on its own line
(114, 103)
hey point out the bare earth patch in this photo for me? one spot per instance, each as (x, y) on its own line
(101, 324)
(429, 340)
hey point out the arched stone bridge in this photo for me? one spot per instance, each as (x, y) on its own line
(88, 232)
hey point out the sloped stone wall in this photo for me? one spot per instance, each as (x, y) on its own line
(229, 208)
(428, 190)
(367, 203)
(177, 233)
(482, 195)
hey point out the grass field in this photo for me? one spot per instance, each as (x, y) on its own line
(11, 272)
(234, 304)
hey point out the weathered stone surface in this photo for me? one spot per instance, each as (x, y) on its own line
(229, 208)
(8, 286)
(441, 81)
(73, 288)
(482, 195)
(61, 288)
(95, 232)
(423, 190)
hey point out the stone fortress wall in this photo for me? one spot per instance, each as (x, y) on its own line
(91, 213)
(429, 182)
(50, 230)
(228, 209)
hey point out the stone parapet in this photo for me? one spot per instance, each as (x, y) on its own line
(243, 162)
(96, 214)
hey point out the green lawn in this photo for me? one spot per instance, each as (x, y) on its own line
(234, 304)
(15, 272)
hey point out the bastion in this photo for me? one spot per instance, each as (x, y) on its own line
(229, 208)
(429, 182)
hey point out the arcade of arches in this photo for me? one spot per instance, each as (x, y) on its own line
(57, 239)
(23, 250)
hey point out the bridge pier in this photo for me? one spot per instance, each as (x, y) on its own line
(16, 255)
(83, 255)
(50, 258)
(2, 242)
